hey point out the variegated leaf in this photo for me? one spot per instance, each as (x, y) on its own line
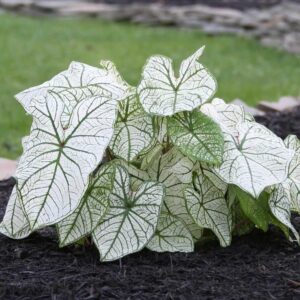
(133, 129)
(91, 209)
(197, 136)
(216, 180)
(293, 143)
(174, 171)
(280, 205)
(137, 176)
(174, 204)
(171, 236)
(208, 207)
(162, 93)
(78, 82)
(131, 219)
(15, 224)
(148, 157)
(53, 171)
(228, 116)
(255, 159)
(161, 129)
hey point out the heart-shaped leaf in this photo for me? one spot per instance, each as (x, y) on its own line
(78, 82)
(216, 180)
(171, 236)
(208, 207)
(255, 159)
(15, 224)
(91, 209)
(131, 219)
(280, 205)
(174, 171)
(133, 129)
(137, 176)
(293, 143)
(161, 93)
(197, 136)
(53, 172)
(228, 116)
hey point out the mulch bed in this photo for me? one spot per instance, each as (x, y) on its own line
(257, 266)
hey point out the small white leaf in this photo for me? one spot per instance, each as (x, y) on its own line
(91, 209)
(161, 93)
(133, 129)
(137, 176)
(255, 159)
(15, 224)
(148, 157)
(217, 181)
(293, 143)
(161, 129)
(171, 236)
(131, 219)
(208, 207)
(295, 195)
(174, 171)
(280, 205)
(228, 116)
(53, 172)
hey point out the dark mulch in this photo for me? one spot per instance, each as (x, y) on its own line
(282, 123)
(238, 4)
(257, 266)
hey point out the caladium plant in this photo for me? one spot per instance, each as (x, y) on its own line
(161, 166)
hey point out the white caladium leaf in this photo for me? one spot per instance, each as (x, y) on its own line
(295, 196)
(92, 207)
(226, 115)
(15, 224)
(174, 204)
(197, 136)
(53, 172)
(171, 236)
(182, 167)
(131, 219)
(148, 157)
(255, 159)
(280, 205)
(292, 142)
(216, 180)
(133, 129)
(78, 82)
(137, 176)
(161, 129)
(207, 205)
(162, 93)
(174, 171)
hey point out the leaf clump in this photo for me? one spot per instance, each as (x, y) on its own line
(161, 165)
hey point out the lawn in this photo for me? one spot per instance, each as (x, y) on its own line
(33, 50)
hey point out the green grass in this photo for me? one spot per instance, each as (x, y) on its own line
(33, 50)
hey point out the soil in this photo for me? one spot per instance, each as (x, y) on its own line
(256, 266)
(238, 4)
(282, 123)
